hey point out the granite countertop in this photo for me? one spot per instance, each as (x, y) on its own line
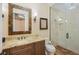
(16, 42)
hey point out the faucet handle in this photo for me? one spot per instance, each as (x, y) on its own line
(18, 38)
(24, 37)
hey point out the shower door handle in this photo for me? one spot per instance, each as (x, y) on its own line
(67, 35)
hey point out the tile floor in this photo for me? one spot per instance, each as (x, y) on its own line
(63, 51)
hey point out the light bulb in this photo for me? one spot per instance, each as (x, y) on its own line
(35, 14)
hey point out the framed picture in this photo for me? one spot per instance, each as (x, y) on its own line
(43, 23)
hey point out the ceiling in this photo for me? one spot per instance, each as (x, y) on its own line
(66, 6)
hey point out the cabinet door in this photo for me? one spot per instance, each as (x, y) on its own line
(58, 27)
(22, 50)
(40, 48)
(26, 51)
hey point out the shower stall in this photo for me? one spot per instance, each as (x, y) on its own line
(64, 25)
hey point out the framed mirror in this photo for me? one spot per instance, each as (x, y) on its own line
(19, 20)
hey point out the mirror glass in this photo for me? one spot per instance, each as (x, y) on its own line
(20, 20)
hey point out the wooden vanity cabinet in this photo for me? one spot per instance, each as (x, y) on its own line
(37, 48)
(22, 50)
(40, 48)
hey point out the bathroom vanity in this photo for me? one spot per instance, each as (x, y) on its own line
(34, 48)
(19, 23)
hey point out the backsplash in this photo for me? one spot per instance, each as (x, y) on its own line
(19, 37)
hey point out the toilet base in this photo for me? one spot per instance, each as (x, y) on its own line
(49, 53)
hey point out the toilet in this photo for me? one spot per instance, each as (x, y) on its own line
(50, 49)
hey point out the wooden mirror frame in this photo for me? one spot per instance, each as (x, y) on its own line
(10, 19)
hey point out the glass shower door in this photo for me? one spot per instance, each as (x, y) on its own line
(58, 27)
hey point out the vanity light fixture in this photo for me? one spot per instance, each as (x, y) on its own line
(35, 16)
(2, 15)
